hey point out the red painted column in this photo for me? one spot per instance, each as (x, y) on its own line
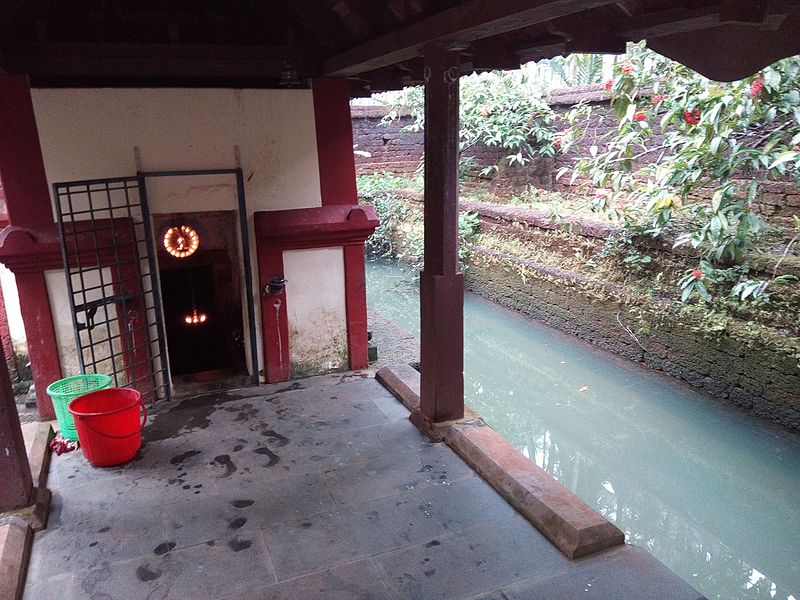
(5, 338)
(16, 489)
(28, 205)
(21, 163)
(274, 318)
(441, 282)
(337, 175)
(355, 291)
(41, 337)
(337, 165)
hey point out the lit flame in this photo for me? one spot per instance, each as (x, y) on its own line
(181, 241)
(195, 318)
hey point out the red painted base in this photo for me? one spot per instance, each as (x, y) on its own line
(324, 227)
(442, 347)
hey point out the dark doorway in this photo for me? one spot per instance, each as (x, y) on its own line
(201, 295)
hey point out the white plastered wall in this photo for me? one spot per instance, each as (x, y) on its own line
(317, 321)
(92, 133)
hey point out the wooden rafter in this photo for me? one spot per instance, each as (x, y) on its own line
(474, 20)
(156, 60)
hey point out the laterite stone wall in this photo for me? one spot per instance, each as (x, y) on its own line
(755, 377)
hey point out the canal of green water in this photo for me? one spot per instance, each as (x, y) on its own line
(711, 491)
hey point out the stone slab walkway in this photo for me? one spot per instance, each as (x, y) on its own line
(316, 489)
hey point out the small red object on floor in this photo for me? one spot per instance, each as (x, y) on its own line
(59, 445)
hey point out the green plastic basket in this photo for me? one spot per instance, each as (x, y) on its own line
(64, 391)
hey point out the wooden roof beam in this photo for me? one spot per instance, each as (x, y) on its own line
(474, 20)
(768, 15)
(319, 18)
(156, 60)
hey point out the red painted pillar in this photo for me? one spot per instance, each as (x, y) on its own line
(16, 489)
(337, 164)
(21, 163)
(28, 205)
(41, 336)
(337, 176)
(355, 291)
(441, 282)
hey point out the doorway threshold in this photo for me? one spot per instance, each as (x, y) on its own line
(192, 384)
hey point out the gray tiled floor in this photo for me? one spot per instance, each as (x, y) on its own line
(318, 489)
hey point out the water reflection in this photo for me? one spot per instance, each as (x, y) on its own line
(712, 493)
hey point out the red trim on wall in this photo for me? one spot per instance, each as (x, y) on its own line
(325, 227)
(337, 166)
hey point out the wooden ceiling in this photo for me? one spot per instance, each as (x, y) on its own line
(379, 45)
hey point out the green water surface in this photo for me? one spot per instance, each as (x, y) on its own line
(710, 490)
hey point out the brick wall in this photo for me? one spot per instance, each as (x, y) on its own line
(401, 152)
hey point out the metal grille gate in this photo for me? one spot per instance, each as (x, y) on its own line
(112, 281)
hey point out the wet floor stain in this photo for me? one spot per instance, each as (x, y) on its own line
(237, 545)
(177, 460)
(277, 439)
(190, 414)
(290, 388)
(163, 548)
(433, 543)
(225, 461)
(237, 523)
(145, 573)
(274, 459)
(242, 503)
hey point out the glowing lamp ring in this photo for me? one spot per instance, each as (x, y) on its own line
(181, 241)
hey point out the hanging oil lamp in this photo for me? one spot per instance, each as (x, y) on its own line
(181, 241)
(195, 317)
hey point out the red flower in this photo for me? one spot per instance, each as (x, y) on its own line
(640, 116)
(697, 274)
(756, 87)
(658, 99)
(626, 68)
(557, 143)
(692, 117)
(609, 84)
(600, 193)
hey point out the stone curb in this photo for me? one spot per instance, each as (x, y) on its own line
(15, 546)
(572, 525)
(37, 441)
(567, 521)
(403, 382)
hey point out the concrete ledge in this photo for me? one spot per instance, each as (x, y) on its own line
(15, 547)
(37, 443)
(403, 382)
(566, 520)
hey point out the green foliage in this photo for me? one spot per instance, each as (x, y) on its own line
(578, 69)
(369, 185)
(400, 234)
(498, 109)
(719, 142)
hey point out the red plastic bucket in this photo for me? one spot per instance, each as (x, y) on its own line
(109, 425)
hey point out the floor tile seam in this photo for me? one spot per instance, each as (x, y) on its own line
(318, 572)
(351, 504)
(379, 572)
(341, 508)
(433, 515)
(270, 562)
(362, 557)
(446, 536)
(151, 557)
